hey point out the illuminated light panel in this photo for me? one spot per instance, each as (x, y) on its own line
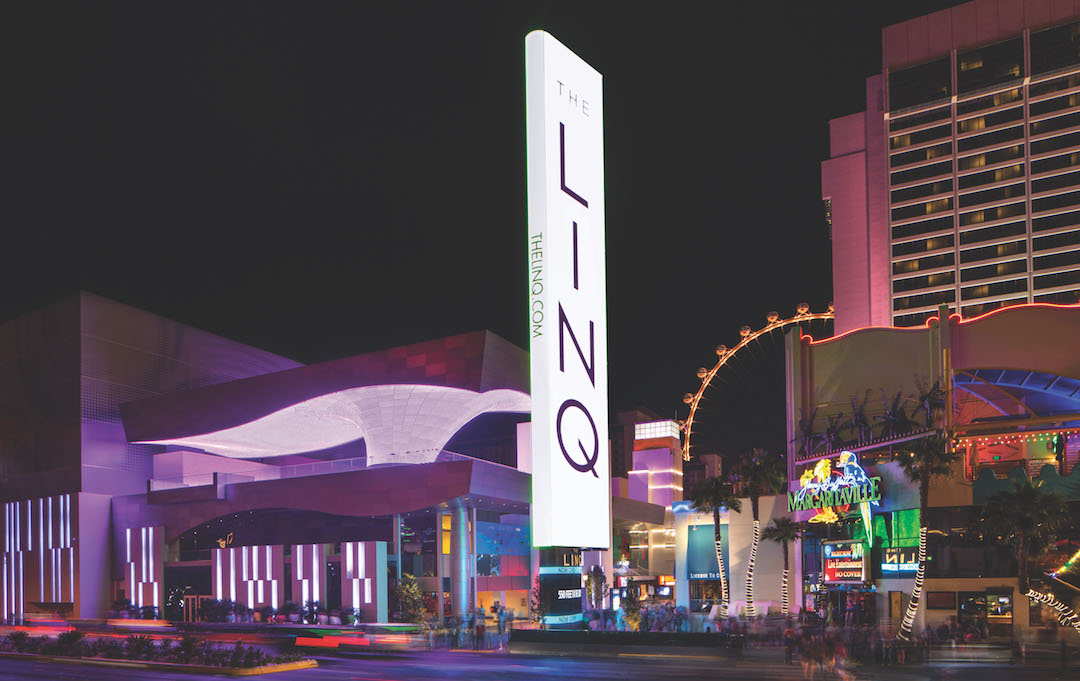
(398, 423)
(656, 429)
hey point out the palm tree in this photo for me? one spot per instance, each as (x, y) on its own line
(833, 427)
(859, 424)
(806, 437)
(932, 457)
(757, 473)
(894, 419)
(784, 531)
(928, 400)
(711, 495)
(1027, 520)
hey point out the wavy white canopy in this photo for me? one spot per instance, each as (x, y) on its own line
(398, 423)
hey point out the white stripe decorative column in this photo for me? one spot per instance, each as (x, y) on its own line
(144, 566)
(39, 555)
(309, 573)
(251, 575)
(363, 581)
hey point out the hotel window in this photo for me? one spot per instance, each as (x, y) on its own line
(1055, 48)
(1054, 202)
(917, 192)
(920, 137)
(1056, 182)
(1045, 243)
(919, 84)
(1000, 288)
(969, 311)
(990, 139)
(1055, 280)
(1049, 222)
(990, 158)
(991, 176)
(927, 281)
(1047, 262)
(991, 214)
(921, 173)
(925, 227)
(1061, 297)
(923, 300)
(996, 251)
(991, 195)
(993, 233)
(996, 99)
(1055, 163)
(990, 120)
(1056, 123)
(928, 208)
(918, 119)
(990, 271)
(922, 245)
(1056, 104)
(913, 319)
(990, 65)
(931, 262)
(926, 154)
(1055, 143)
(1055, 85)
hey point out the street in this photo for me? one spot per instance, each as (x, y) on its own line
(499, 667)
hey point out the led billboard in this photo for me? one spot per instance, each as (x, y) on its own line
(844, 562)
(571, 496)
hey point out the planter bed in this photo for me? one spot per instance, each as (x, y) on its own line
(163, 666)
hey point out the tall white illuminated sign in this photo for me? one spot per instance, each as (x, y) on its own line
(571, 504)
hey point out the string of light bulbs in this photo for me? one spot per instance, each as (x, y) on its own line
(751, 611)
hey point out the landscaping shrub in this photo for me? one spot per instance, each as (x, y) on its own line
(139, 647)
(71, 643)
(17, 640)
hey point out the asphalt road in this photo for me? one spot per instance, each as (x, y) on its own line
(496, 667)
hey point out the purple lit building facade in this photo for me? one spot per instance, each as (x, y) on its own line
(959, 184)
(141, 459)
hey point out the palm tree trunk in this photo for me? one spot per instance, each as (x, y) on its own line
(1021, 562)
(720, 564)
(751, 611)
(920, 574)
(784, 601)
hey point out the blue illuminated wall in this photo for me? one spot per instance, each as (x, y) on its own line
(701, 553)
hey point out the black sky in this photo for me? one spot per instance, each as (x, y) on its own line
(322, 179)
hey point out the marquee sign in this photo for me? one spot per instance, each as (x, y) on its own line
(571, 496)
(829, 491)
(843, 562)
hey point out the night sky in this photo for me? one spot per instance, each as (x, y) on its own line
(322, 179)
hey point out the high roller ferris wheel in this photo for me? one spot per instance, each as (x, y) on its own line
(802, 316)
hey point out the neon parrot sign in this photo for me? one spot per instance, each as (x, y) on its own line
(831, 491)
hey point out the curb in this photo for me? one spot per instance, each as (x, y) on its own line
(164, 666)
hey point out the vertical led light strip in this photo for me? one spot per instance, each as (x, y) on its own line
(70, 545)
(232, 574)
(41, 544)
(316, 568)
(218, 592)
(567, 308)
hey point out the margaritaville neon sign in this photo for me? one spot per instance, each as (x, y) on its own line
(832, 491)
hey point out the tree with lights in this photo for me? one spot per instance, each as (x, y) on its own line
(1029, 521)
(932, 457)
(784, 531)
(757, 473)
(710, 496)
